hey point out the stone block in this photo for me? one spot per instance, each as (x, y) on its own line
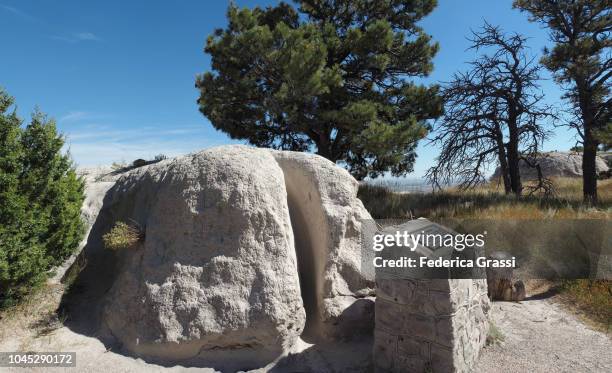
(440, 325)
(420, 326)
(385, 350)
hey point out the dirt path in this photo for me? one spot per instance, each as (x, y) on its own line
(35, 327)
(540, 335)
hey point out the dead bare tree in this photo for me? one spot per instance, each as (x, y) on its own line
(544, 186)
(493, 113)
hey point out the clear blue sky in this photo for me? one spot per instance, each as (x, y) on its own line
(119, 75)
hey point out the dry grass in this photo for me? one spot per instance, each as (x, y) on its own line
(488, 202)
(570, 189)
(122, 236)
(36, 313)
(592, 299)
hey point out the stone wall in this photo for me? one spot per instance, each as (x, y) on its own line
(430, 325)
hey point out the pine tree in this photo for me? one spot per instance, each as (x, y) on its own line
(580, 61)
(331, 76)
(40, 201)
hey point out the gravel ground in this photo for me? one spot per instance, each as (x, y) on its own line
(541, 336)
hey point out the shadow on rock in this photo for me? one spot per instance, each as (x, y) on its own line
(82, 303)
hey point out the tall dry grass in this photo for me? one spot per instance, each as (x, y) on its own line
(592, 298)
(487, 202)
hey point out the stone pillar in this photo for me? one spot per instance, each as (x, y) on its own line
(428, 324)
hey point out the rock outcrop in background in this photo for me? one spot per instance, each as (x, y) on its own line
(555, 164)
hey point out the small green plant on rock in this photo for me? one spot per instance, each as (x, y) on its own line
(495, 336)
(122, 236)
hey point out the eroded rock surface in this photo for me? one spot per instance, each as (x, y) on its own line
(240, 244)
(327, 220)
(217, 272)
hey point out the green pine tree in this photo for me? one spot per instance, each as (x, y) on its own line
(331, 76)
(40, 201)
(580, 61)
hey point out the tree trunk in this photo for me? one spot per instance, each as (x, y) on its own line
(324, 148)
(513, 163)
(503, 163)
(589, 171)
(589, 143)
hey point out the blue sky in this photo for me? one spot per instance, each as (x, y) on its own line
(118, 76)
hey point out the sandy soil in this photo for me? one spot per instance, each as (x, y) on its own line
(540, 335)
(35, 327)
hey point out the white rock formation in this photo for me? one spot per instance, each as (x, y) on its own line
(556, 164)
(218, 280)
(327, 219)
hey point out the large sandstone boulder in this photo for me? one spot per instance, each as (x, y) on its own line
(240, 243)
(556, 164)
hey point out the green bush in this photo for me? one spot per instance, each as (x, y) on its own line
(122, 236)
(495, 336)
(40, 202)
